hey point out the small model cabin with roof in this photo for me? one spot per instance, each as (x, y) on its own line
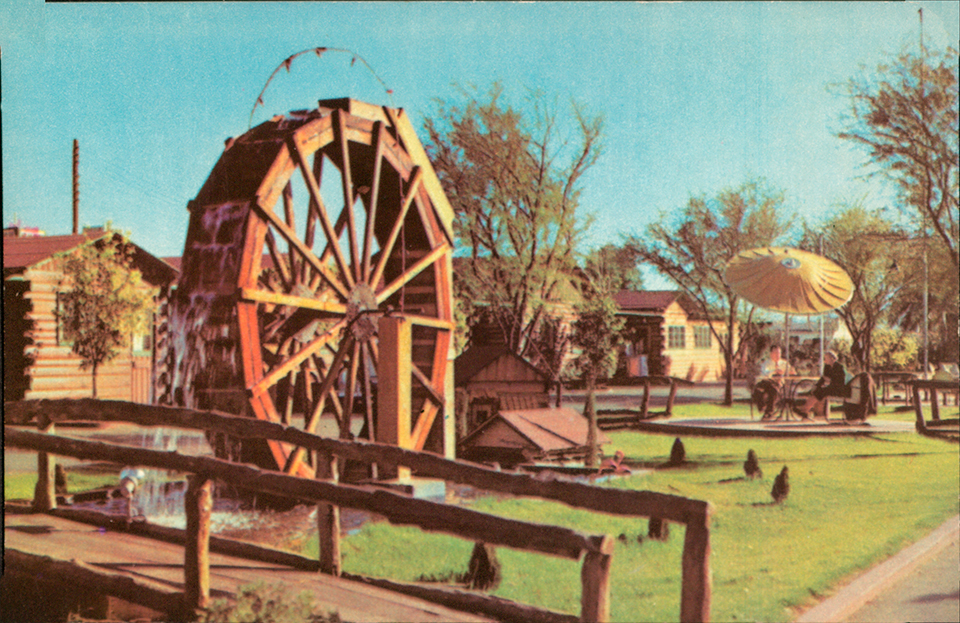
(492, 378)
(512, 437)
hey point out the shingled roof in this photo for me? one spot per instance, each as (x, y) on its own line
(476, 358)
(547, 429)
(656, 301)
(20, 253)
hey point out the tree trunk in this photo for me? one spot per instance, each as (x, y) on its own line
(590, 410)
(728, 357)
(94, 379)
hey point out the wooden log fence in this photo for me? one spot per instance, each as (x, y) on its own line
(624, 418)
(935, 425)
(397, 508)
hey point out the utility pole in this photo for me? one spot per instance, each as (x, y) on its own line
(76, 187)
(926, 270)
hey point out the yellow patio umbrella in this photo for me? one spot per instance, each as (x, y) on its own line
(788, 280)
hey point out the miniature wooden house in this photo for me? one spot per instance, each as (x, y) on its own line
(519, 436)
(492, 378)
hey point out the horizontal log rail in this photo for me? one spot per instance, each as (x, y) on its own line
(396, 507)
(695, 514)
(578, 495)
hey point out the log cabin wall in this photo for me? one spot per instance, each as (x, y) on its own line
(40, 364)
(674, 336)
(54, 371)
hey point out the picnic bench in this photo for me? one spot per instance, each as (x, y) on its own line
(890, 381)
(936, 425)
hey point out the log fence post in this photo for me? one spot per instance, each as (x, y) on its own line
(328, 517)
(198, 503)
(695, 590)
(673, 394)
(45, 494)
(595, 584)
(645, 403)
(918, 409)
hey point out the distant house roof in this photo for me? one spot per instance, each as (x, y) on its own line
(645, 300)
(476, 358)
(547, 430)
(656, 301)
(20, 253)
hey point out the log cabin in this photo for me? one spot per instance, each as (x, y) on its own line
(667, 334)
(38, 362)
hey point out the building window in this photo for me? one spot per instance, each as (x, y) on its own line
(702, 337)
(676, 337)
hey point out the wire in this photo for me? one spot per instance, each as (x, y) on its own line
(287, 62)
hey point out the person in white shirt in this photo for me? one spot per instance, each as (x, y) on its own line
(772, 371)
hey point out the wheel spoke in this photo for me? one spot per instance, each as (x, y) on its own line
(278, 260)
(310, 425)
(283, 369)
(349, 197)
(333, 372)
(291, 223)
(368, 392)
(311, 227)
(379, 132)
(397, 226)
(420, 376)
(308, 254)
(314, 188)
(290, 300)
(411, 272)
(350, 392)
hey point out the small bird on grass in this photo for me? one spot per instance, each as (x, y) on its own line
(781, 486)
(752, 465)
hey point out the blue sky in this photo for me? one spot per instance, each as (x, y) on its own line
(697, 96)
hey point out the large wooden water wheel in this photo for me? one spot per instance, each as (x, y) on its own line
(311, 230)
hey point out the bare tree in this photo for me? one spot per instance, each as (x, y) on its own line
(692, 246)
(514, 183)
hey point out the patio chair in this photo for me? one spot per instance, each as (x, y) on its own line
(862, 399)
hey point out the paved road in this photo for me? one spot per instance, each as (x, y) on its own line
(930, 593)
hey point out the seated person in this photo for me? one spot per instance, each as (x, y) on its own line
(832, 383)
(770, 383)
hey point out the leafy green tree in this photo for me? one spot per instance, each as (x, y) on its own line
(514, 183)
(597, 334)
(868, 246)
(906, 117)
(692, 246)
(893, 349)
(104, 301)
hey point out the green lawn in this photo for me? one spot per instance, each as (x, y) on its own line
(20, 485)
(853, 502)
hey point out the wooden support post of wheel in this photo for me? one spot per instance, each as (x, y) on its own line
(198, 503)
(394, 375)
(45, 495)
(328, 518)
(595, 584)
